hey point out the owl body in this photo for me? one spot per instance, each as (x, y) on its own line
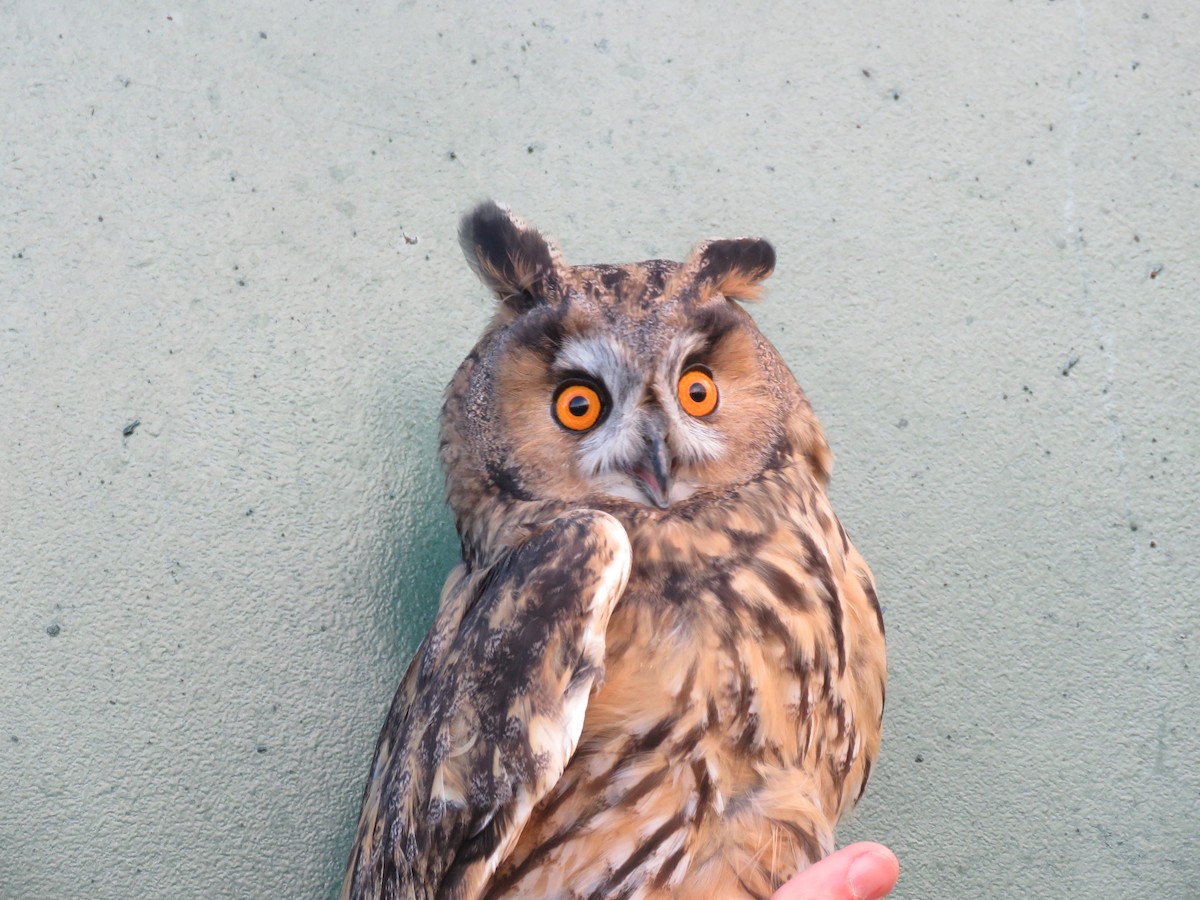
(661, 653)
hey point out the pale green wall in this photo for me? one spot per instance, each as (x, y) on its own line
(204, 210)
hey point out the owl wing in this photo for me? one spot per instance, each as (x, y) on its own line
(489, 713)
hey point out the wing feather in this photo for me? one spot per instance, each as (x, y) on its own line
(489, 713)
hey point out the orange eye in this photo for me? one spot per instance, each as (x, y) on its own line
(578, 406)
(697, 392)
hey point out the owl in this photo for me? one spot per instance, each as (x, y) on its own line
(658, 669)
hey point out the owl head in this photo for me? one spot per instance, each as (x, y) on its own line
(643, 388)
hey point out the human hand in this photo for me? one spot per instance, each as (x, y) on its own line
(862, 871)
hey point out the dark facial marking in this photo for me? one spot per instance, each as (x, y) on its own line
(612, 278)
(540, 331)
(507, 482)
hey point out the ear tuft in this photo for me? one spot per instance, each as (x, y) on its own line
(734, 267)
(513, 260)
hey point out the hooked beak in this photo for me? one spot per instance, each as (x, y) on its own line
(653, 471)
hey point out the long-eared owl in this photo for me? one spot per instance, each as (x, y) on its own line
(658, 669)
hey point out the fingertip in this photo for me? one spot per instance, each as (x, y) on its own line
(873, 872)
(862, 871)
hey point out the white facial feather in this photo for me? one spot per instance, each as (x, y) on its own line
(637, 395)
(693, 441)
(619, 438)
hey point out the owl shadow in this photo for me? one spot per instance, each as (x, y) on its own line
(413, 551)
(419, 528)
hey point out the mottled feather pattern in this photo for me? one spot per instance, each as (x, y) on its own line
(739, 714)
(659, 670)
(490, 711)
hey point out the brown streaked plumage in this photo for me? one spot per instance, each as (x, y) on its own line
(659, 670)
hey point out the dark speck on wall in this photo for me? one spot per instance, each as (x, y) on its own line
(260, 748)
(53, 630)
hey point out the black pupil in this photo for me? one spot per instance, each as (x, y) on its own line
(697, 391)
(579, 406)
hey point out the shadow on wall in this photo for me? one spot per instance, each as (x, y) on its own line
(419, 547)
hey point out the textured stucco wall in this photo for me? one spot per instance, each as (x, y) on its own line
(233, 224)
